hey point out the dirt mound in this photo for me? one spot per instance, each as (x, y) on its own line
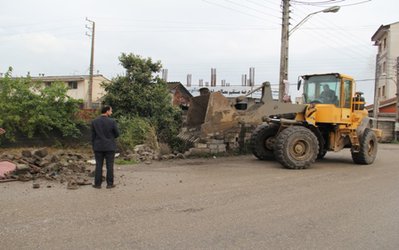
(62, 166)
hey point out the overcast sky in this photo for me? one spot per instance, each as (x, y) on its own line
(192, 36)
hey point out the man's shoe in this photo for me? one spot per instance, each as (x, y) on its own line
(95, 186)
(111, 186)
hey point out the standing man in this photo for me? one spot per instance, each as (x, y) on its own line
(104, 130)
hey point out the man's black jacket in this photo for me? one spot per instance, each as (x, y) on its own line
(104, 130)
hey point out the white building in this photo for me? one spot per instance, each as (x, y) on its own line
(78, 86)
(387, 40)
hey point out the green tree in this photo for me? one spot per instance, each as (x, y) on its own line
(30, 109)
(142, 93)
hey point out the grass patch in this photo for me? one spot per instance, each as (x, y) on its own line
(125, 162)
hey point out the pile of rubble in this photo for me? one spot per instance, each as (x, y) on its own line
(67, 167)
(144, 153)
(72, 168)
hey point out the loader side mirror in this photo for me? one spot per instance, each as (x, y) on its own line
(300, 80)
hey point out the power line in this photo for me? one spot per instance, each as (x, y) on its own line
(264, 6)
(232, 9)
(333, 36)
(250, 8)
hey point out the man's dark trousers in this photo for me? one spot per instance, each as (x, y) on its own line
(109, 162)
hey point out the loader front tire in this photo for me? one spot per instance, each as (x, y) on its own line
(262, 141)
(368, 148)
(296, 147)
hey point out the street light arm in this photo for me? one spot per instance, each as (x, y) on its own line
(302, 22)
(332, 9)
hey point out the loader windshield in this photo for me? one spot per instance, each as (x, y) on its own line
(322, 89)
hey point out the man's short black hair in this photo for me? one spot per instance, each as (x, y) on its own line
(105, 109)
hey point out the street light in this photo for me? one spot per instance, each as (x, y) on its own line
(285, 33)
(333, 9)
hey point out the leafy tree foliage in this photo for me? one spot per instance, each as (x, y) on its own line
(141, 93)
(30, 109)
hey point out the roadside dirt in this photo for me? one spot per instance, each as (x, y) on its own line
(215, 203)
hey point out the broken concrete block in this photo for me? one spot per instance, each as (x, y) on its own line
(41, 152)
(26, 153)
(21, 168)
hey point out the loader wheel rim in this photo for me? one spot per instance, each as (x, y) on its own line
(299, 149)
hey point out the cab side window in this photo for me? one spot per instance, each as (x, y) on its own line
(347, 93)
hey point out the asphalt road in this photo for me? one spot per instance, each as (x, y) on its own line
(222, 203)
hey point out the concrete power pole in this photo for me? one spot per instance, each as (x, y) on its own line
(90, 87)
(376, 98)
(284, 49)
(397, 100)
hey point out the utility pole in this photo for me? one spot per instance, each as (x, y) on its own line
(284, 49)
(376, 105)
(397, 100)
(92, 29)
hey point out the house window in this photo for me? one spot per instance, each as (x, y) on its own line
(385, 43)
(383, 91)
(73, 85)
(384, 67)
(379, 92)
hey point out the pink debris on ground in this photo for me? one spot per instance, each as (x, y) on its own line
(6, 167)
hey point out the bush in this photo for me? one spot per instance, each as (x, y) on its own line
(30, 109)
(135, 131)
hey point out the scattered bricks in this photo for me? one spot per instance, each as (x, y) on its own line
(216, 141)
(199, 151)
(180, 156)
(26, 153)
(22, 169)
(72, 185)
(25, 177)
(10, 157)
(32, 165)
(41, 152)
(35, 185)
(43, 163)
(201, 145)
(221, 148)
(55, 158)
(213, 147)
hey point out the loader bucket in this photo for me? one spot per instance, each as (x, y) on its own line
(211, 113)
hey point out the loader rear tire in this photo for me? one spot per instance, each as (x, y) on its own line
(368, 148)
(262, 141)
(296, 147)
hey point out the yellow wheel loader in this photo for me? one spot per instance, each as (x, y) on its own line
(332, 118)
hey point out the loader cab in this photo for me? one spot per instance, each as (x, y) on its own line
(332, 94)
(322, 89)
